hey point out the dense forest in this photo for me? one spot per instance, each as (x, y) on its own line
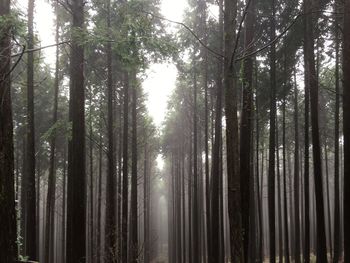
(251, 162)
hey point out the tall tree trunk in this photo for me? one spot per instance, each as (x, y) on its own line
(337, 199)
(124, 243)
(272, 144)
(134, 215)
(346, 123)
(31, 246)
(8, 237)
(306, 155)
(246, 127)
(328, 201)
(230, 89)
(296, 178)
(51, 191)
(279, 199)
(285, 200)
(110, 228)
(258, 175)
(146, 200)
(195, 217)
(214, 251)
(317, 165)
(76, 190)
(63, 240)
(190, 241)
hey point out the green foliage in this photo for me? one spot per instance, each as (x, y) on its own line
(61, 126)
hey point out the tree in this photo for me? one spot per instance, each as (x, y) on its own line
(337, 200)
(124, 240)
(346, 116)
(134, 195)
(8, 237)
(51, 192)
(111, 231)
(230, 93)
(272, 144)
(30, 194)
(296, 177)
(76, 189)
(316, 148)
(246, 128)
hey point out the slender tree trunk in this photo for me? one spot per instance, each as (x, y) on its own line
(272, 144)
(31, 241)
(279, 202)
(286, 230)
(214, 251)
(51, 192)
(317, 165)
(8, 236)
(306, 155)
(190, 259)
(124, 245)
(63, 240)
(246, 127)
(337, 199)
(296, 178)
(230, 91)
(111, 230)
(134, 215)
(146, 200)
(195, 217)
(328, 201)
(258, 175)
(76, 190)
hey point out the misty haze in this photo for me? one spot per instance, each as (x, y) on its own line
(174, 131)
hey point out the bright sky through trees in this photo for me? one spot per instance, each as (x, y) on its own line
(160, 79)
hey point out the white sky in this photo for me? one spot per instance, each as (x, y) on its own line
(160, 79)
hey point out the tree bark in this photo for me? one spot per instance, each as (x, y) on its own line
(296, 178)
(76, 190)
(30, 241)
(337, 199)
(8, 237)
(134, 215)
(230, 91)
(124, 243)
(111, 230)
(272, 144)
(51, 192)
(346, 123)
(317, 165)
(214, 251)
(246, 129)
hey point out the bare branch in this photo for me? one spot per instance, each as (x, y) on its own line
(188, 29)
(39, 48)
(271, 42)
(239, 32)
